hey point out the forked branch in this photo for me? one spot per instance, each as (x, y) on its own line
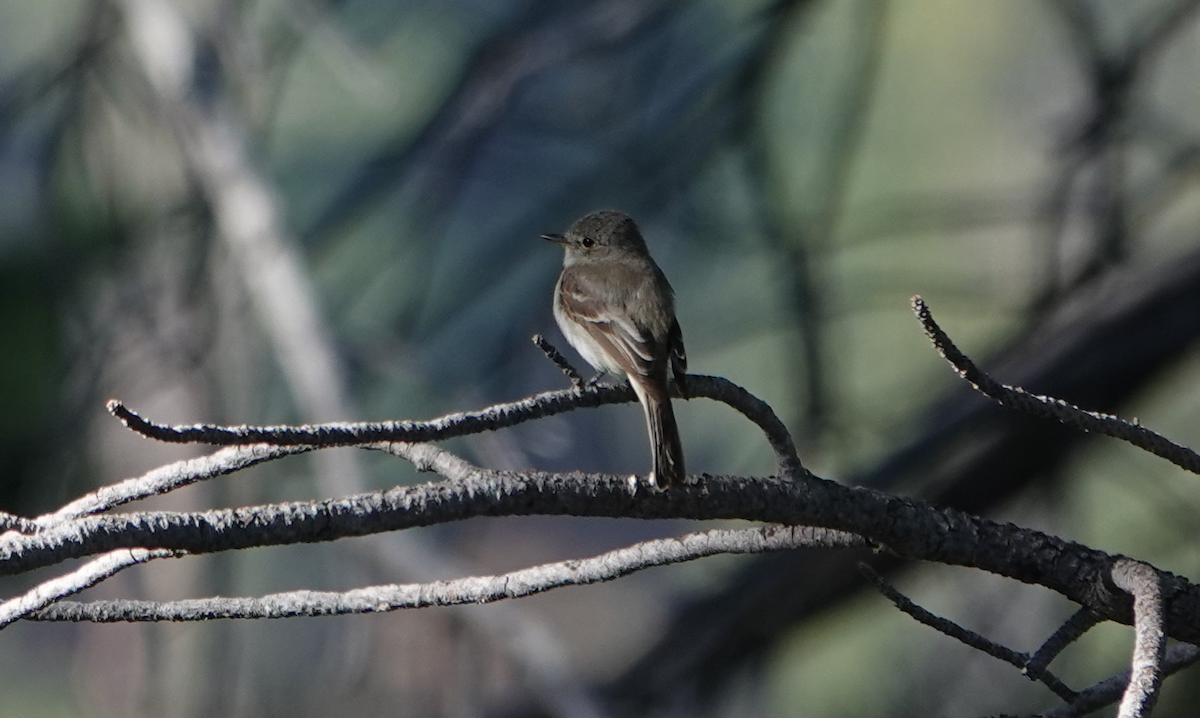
(1049, 407)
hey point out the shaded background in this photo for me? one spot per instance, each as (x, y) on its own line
(269, 211)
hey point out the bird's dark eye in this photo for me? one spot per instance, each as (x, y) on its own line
(587, 242)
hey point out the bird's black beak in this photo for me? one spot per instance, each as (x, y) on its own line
(558, 238)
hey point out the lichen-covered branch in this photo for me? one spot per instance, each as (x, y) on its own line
(1141, 582)
(86, 576)
(474, 589)
(909, 528)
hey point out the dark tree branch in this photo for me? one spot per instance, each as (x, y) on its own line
(1110, 690)
(1150, 641)
(495, 417)
(1051, 408)
(1078, 624)
(964, 635)
(477, 589)
(909, 528)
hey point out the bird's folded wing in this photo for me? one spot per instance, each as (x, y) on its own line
(631, 346)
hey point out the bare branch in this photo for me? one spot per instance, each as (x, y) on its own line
(558, 359)
(1150, 641)
(460, 424)
(1110, 690)
(350, 434)
(86, 576)
(166, 479)
(478, 589)
(964, 635)
(1078, 624)
(1049, 407)
(906, 527)
(428, 457)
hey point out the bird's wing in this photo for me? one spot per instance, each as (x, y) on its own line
(678, 357)
(632, 347)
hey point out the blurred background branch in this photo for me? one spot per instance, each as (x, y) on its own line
(800, 168)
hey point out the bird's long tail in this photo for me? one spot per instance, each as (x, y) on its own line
(665, 446)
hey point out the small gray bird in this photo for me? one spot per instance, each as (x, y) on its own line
(617, 309)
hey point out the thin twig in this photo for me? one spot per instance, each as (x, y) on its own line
(86, 576)
(167, 478)
(1141, 581)
(1078, 624)
(963, 635)
(1051, 408)
(460, 424)
(478, 589)
(558, 359)
(429, 457)
(1110, 690)
(352, 434)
